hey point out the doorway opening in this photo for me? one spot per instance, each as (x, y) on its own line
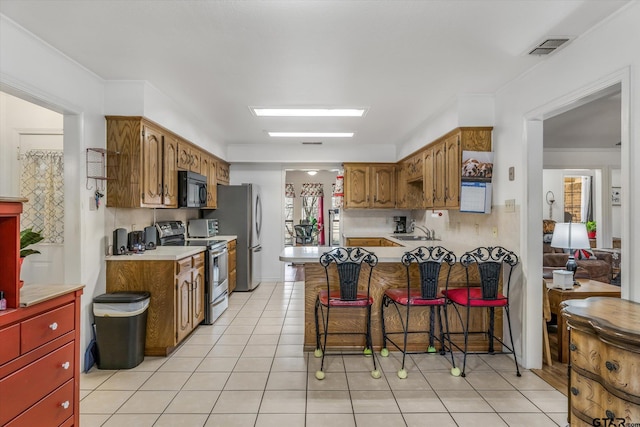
(33, 160)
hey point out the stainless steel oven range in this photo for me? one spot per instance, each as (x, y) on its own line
(216, 290)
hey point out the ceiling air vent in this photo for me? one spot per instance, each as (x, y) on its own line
(312, 143)
(548, 46)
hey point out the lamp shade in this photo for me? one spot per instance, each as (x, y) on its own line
(570, 235)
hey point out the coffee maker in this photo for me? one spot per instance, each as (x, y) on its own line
(401, 224)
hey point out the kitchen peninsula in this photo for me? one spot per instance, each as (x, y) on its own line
(389, 273)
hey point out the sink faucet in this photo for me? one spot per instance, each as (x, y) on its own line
(426, 231)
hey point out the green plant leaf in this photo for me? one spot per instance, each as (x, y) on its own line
(29, 237)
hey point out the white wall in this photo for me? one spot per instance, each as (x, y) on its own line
(553, 180)
(32, 70)
(616, 211)
(270, 178)
(572, 72)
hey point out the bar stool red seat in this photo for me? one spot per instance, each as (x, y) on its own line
(489, 261)
(348, 293)
(423, 294)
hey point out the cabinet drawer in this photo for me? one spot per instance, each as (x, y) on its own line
(591, 399)
(198, 260)
(183, 265)
(616, 367)
(47, 326)
(36, 380)
(52, 410)
(10, 339)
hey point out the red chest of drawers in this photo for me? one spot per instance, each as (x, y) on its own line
(40, 363)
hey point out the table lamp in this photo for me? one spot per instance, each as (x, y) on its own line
(572, 236)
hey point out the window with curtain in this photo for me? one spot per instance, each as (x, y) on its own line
(311, 192)
(41, 181)
(577, 198)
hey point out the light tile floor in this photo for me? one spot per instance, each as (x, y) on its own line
(249, 370)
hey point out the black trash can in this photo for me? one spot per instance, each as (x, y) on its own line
(121, 324)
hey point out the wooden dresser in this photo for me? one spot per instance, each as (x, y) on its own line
(40, 358)
(604, 374)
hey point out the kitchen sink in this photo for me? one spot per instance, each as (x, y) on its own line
(413, 238)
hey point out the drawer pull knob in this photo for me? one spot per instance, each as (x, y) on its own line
(575, 391)
(610, 414)
(53, 326)
(65, 365)
(573, 347)
(65, 404)
(611, 366)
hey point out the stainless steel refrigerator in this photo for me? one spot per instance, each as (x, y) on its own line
(239, 213)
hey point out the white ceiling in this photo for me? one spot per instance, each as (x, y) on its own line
(404, 60)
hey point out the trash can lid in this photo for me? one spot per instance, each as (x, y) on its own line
(122, 297)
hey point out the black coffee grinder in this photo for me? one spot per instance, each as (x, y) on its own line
(401, 224)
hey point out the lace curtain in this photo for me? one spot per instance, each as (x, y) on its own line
(42, 182)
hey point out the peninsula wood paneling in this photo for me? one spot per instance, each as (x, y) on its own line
(385, 276)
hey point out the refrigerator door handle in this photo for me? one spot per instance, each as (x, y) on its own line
(257, 249)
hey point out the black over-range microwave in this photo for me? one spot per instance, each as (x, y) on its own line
(192, 190)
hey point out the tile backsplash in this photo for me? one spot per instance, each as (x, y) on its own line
(457, 231)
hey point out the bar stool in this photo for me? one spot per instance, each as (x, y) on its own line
(346, 295)
(429, 261)
(489, 262)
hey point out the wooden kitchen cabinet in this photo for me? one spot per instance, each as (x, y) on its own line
(177, 300)
(10, 210)
(604, 374)
(189, 157)
(401, 186)
(370, 241)
(231, 248)
(222, 172)
(208, 167)
(439, 185)
(369, 185)
(146, 174)
(40, 362)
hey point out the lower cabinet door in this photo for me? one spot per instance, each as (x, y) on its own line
(53, 410)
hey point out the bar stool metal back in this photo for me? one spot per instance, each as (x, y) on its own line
(487, 296)
(429, 261)
(346, 294)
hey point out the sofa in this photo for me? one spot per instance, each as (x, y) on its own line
(599, 269)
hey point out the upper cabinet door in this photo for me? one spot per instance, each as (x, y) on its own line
(170, 172)
(383, 185)
(439, 174)
(212, 184)
(151, 166)
(454, 160)
(184, 156)
(356, 191)
(195, 162)
(427, 183)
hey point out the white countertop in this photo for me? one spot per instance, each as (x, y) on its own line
(309, 254)
(227, 238)
(161, 253)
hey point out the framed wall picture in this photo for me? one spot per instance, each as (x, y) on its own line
(615, 196)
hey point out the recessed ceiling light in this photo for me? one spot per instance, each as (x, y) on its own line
(312, 173)
(311, 134)
(308, 112)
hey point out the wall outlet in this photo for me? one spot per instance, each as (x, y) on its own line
(510, 205)
(134, 227)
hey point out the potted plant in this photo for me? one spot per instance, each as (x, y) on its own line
(591, 229)
(28, 237)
